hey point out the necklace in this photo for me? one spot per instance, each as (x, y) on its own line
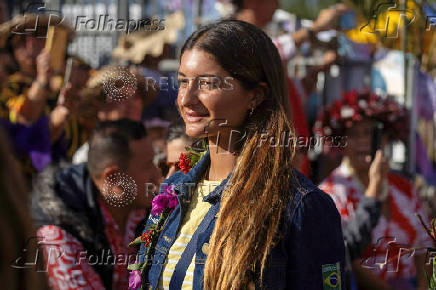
(201, 183)
(200, 187)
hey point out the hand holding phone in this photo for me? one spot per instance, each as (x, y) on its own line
(378, 183)
(376, 139)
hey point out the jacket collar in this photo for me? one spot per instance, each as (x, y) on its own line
(190, 179)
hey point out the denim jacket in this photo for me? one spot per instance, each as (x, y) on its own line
(310, 254)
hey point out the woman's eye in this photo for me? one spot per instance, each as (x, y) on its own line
(205, 84)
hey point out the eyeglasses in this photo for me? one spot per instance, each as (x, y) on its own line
(165, 166)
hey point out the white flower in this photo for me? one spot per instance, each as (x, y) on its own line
(347, 112)
(363, 104)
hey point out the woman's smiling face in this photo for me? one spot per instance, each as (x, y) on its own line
(208, 96)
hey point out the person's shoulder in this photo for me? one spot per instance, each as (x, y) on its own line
(55, 172)
(309, 199)
(64, 183)
(68, 169)
(305, 189)
(58, 196)
(314, 230)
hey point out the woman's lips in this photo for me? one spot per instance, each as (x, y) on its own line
(194, 116)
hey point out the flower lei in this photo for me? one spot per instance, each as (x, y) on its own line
(354, 106)
(192, 157)
(162, 205)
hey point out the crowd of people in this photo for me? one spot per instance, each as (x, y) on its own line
(92, 161)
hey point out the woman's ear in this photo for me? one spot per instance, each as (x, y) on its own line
(259, 94)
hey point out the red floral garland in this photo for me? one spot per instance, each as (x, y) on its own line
(355, 106)
(185, 163)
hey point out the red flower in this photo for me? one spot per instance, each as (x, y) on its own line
(351, 97)
(354, 106)
(146, 237)
(185, 162)
(373, 98)
(356, 117)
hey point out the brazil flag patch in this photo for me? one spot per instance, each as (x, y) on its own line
(331, 276)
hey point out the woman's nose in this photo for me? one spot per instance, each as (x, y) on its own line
(189, 94)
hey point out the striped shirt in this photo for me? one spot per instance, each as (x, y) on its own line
(389, 236)
(196, 212)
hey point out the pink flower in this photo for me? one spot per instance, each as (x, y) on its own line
(134, 280)
(167, 199)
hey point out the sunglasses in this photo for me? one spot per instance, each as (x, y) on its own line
(165, 166)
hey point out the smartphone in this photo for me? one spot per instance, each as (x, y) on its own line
(56, 45)
(67, 76)
(377, 133)
(347, 21)
(68, 70)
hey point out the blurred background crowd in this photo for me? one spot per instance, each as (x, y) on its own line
(83, 102)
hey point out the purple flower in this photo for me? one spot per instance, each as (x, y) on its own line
(168, 189)
(167, 199)
(134, 280)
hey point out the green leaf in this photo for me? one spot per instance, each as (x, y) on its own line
(433, 277)
(194, 160)
(190, 150)
(427, 229)
(433, 223)
(431, 281)
(136, 241)
(135, 267)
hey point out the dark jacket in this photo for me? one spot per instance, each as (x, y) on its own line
(67, 198)
(306, 257)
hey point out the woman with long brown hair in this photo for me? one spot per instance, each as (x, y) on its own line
(241, 217)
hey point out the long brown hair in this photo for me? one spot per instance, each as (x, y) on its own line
(16, 225)
(254, 200)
